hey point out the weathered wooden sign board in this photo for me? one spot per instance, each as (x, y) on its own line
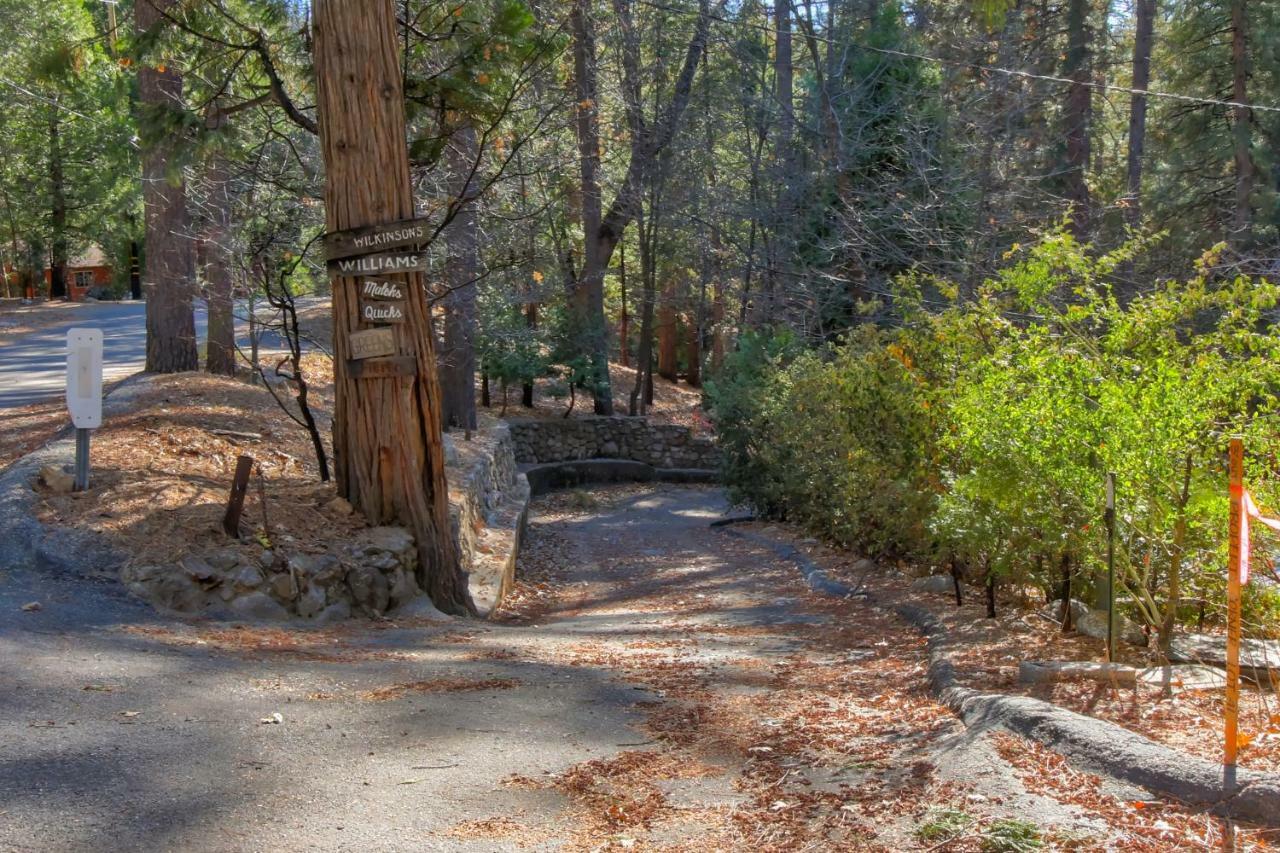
(380, 263)
(375, 238)
(383, 368)
(372, 288)
(372, 343)
(382, 312)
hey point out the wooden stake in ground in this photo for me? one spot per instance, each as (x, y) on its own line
(1232, 707)
(388, 449)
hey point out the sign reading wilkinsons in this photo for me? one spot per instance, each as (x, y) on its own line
(380, 264)
(375, 238)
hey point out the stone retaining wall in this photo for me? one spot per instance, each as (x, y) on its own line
(636, 439)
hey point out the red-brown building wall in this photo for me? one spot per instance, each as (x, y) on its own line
(76, 291)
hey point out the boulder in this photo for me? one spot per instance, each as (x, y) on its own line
(132, 574)
(934, 583)
(223, 559)
(247, 577)
(369, 589)
(1053, 610)
(258, 606)
(1094, 624)
(282, 587)
(176, 591)
(199, 570)
(311, 602)
(336, 612)
(403, 587)
(420, 608)
(327, 570)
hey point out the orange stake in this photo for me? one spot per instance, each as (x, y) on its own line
(1232, 709)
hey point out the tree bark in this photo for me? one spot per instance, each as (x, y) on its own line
(458, 357)
(168, 272)
(624, 332)
(1241, 116)
(221, 352)
(668, 326)
(58, 209)
(388, 448)
(1143, 37)
(1076, 114)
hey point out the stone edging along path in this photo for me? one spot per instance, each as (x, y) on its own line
(1096, 745)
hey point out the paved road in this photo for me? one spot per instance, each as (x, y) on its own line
(34, 367)
(662, 695)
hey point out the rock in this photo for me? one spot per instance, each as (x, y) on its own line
(339, 506)
(1184, 677)
(303, 565)
(403, 588)
(420, 608)
(1053, 610)
(56, 479)
(865, 566)
(369, 589)
(336, 612)
(248, 577)
(1255, 655)
(226, 592)
(934, 583)
(259, 606)
(311, 602)
(282, 587)
(609, 448)
(199, 570)
(1094, 624)
(327, 570)
(176, 591)
(223, 559)
(1043, 672)
(131, 574)
(393, 539)
(450, 450)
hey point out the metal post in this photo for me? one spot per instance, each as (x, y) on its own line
(82, 460)
(1111, 566)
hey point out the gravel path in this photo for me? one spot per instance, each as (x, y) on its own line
(655, 684)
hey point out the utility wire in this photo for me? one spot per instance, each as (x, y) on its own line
(975, 66)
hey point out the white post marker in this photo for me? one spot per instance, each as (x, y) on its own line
(84, 393)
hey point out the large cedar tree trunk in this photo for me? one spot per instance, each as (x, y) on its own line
(388, 448)
(668, 331)
(458, 356)
(170, 258)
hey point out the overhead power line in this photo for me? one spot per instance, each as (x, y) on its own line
(977, 66)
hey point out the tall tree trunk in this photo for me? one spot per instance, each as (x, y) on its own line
(167, 277)
(1076, 114)
(58, 209)
(1241, 116)
(1144, 35)
(388, 446)
(624, 332)
(458, 357)
(668, 328)
(588, 291)
(531, 320)
(784, 169)
(221, 355)
(693, 350)
(644, 352)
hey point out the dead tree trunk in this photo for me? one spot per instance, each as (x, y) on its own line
(169, 266)
(388, 447)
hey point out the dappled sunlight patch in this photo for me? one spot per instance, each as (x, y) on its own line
(329, 645)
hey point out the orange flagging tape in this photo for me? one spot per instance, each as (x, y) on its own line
(1250, 511)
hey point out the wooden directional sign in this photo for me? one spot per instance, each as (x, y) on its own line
(380, 263)
(375, 238)
(372, 288)
(372, 343)
(382, 312)
(383, 368)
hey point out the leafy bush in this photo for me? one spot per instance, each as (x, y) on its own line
(982, 432)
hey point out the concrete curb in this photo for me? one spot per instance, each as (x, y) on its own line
(1096, 745)
(25, 543)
